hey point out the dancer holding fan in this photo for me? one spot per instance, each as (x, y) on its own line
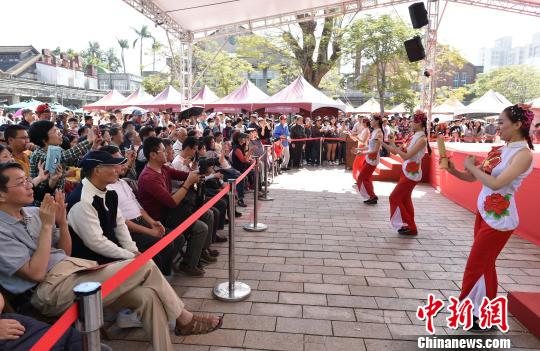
(501, 175)
(401, 205)
(372, 158)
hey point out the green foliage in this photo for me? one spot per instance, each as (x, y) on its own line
(155, 83)
(95, 55)
(520, 83)
(124, 44)
(379, 41)
(222, 72)
(142, 34)
(449, 60)
(444, 93)
(332, 83)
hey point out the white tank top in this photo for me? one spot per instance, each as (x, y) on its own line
(372, 155)
(412, 168)
(498, 207)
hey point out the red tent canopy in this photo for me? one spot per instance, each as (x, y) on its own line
(243, 98)
(169, 98)
(112, 100)
(137, 98)
(204, 96)
(298, 95)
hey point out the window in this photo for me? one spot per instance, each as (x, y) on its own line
(463, 78)
(103, 85)
(456, 80)
(121, 85)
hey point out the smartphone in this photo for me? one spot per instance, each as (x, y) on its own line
(54, 153)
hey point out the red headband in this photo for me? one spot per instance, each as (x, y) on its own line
(419, 117)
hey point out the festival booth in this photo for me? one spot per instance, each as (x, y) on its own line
(199, 101)
(112, 100)
(169, 98)
(302, 98)
(31, 104)
(491, 103)
(445, 111)
(397, 109)
(243, 98)
(138, 98)
(371, 106)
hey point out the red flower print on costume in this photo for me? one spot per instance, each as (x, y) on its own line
(497, 205)
(372, 156)
(412, 167)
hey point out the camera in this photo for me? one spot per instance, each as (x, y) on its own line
(205, 163)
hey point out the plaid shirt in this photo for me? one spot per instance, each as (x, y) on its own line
(70, 157)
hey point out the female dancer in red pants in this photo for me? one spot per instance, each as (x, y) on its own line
(362, 139)
(501, 175)
(401, 205)
(372, 158)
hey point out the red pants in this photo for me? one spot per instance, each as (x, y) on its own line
(401, 205)
(357, 165)
(365, 181)
(480, 276)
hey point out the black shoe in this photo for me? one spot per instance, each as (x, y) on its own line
(214, 253)
(241, 203)
(408, 232)
(220, 239)
(372, 201)
(237, 214)
(476, 326)
(402, 229)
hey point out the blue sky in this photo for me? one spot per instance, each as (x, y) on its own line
(72, 23)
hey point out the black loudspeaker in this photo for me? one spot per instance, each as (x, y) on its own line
(415, 49)
(419, 15)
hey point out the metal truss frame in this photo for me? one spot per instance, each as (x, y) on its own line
(340, 8)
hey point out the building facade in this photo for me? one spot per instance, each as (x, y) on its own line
(504, 54)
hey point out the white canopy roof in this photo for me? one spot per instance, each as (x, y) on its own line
(370, 106)
(448, 107)
(398, 109)
(489, 103)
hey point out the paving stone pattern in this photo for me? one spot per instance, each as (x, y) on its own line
(330, 274)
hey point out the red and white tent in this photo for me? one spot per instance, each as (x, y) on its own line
(170, 98)
(112, 100)
(243, 98)
(299, 95)
(204, 96)
(137, 98)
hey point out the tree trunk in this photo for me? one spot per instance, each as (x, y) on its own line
(358, 62)
(123, 61)
(140, 59)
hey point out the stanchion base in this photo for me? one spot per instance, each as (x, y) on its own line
(241, 292)
(266, 199)
(252, 228)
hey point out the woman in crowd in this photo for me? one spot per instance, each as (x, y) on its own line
(501, 174)
(372, 159)
(5, 154)
(330, 131)
(240, 159)
(401, 205)
(478, 132)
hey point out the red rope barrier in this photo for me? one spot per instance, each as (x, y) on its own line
(55, 332)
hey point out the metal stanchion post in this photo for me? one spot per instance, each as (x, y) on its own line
(320, 151)
(256, 226)
(265, 171)
(231, 291)
(273, 165)
(90, 318)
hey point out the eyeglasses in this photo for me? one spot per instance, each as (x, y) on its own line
(23, 183)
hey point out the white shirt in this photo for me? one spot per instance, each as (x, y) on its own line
(127, 202)
(177, 147)
(83, 218)
(178, 163)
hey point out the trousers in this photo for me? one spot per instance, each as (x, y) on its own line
(365, 181)
(146, 292)
(401, 205)
(480, 276)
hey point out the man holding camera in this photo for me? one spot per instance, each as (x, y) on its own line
(171, 209)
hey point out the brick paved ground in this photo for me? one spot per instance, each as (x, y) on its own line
(330, 274)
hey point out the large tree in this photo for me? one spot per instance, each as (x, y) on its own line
(379, 41)
(316, 57)
(520, 83)
(124, 44)
(142, 34)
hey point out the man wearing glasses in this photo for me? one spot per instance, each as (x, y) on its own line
(17, 139)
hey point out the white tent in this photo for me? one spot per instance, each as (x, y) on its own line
(397, 109)
(489, 103)
(348, 107)
(370, 106)
(448, 107)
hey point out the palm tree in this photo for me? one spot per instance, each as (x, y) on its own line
(94, 51)
(111, 60)
(156, 46)
(142, 34)
(124, 44)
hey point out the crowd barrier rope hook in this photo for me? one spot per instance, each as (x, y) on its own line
(232, 290)
(90, 318)
(265, 197)
(256, 226)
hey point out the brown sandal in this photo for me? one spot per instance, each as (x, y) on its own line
(200, 324)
